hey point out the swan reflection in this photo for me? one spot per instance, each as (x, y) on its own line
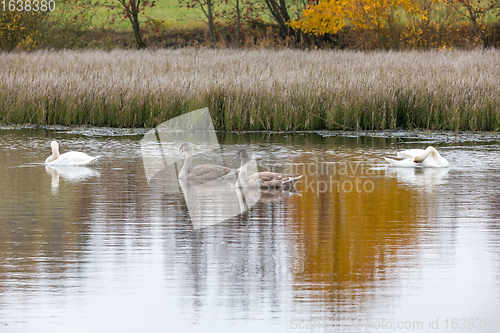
(270, 195)
(70, 173)
(420, 177)
(212, 202)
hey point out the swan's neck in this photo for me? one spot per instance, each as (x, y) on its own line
(242, 174)
(187, 167)
(440, 160)
(420, 158)
(244, 163)
(54, 156)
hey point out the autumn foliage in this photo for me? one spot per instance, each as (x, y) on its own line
(329, 16)
(307, 24)
(393, 21)
(19, 29)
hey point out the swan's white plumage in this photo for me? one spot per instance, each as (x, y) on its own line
(410, 153)
(423, 158)
(69, 158)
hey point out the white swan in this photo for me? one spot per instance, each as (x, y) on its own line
(203, 172)
(425, 158)
(69, 158)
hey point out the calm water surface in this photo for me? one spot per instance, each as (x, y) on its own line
(359, 248)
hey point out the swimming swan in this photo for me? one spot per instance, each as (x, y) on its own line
(425, 158)
(202, 172)
(69, 158)
(266, 179)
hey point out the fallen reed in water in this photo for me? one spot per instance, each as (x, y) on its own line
(254, 90)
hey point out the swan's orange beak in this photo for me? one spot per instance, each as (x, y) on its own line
(180, 152)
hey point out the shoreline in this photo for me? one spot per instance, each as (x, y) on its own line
(437, 136)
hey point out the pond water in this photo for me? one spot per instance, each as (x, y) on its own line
(359, 247)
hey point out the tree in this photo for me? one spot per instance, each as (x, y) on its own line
(238, 14)
(280, 10)
(475, 12)
(130, 9)
(21, 29)
(208, 9)
(237, 9)
(330, 16)
(326, 17)
(433, 28)
(72, 20)
(40, 25)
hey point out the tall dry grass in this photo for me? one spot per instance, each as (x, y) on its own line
(254, 89)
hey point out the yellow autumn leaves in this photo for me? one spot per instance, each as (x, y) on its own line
(19, 29)
(329, 16)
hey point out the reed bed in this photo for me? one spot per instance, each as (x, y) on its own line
(281, 90)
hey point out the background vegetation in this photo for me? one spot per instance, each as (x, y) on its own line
(306, 24)
(255, 89)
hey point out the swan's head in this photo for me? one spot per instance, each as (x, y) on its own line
(428, 151)
(242, 153)
(55, 146)
(185, 147)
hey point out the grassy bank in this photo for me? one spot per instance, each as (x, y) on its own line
(254, 90)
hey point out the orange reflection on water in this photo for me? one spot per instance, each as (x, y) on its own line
(350, 233)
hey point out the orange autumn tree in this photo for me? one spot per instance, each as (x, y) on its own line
(330, 16)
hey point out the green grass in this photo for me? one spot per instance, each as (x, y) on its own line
(168, 11)
(254, 90)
